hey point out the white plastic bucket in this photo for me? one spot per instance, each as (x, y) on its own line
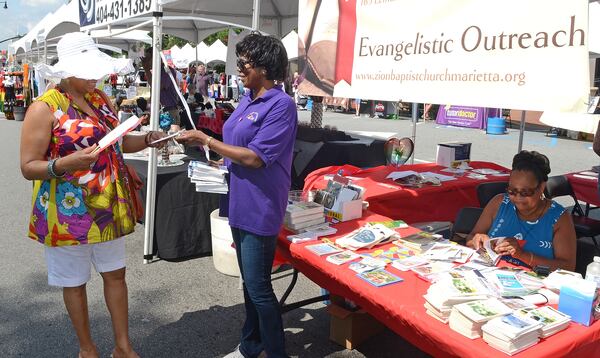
(224, 257)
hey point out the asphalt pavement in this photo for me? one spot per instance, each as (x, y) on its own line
(188, 309)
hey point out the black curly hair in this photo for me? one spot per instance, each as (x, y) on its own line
(533, 162)
(264, 51)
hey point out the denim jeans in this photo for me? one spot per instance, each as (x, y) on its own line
(263, 328)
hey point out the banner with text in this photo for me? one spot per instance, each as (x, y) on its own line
(99, 13)
(530, 55)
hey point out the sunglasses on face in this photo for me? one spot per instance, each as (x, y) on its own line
(524, 193)
(241, 64)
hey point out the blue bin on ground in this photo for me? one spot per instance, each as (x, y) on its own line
(496, 125)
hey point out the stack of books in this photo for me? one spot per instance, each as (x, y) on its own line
(467, 318)
(511, 334)
(208, 179)
(302, 215)
(450, 289)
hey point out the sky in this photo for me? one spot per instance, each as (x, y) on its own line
(22, 15)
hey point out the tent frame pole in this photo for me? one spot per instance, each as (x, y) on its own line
(415, 116)
(154, 116)
(521, 130)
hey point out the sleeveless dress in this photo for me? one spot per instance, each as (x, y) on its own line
(538, 235)
(88, 206)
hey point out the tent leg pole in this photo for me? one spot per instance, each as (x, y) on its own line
(256, 15)
(154, 115)
(521, 131)
(415, 116)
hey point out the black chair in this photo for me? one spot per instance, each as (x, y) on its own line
(463, 224)
(486, 191)
(559, 186)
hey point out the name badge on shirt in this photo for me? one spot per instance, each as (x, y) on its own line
(252, 116)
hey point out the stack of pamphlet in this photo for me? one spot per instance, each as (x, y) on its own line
(421, 241)
(467, 318)
(511, 334)
(301, 215)
(367, 236)
(450, 289)
(208, 179)
(552, 320)
(506, 283)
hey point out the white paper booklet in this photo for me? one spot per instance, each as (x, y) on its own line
(118, 132)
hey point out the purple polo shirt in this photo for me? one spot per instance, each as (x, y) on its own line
(267, 126)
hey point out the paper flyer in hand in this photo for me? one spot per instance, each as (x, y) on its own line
(117, 133)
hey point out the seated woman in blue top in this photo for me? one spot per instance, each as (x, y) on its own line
(538, 230)
(258, 142)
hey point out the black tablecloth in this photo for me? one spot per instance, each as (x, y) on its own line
(182, 216)
(318, 147)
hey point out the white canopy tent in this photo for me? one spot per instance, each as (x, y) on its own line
(183, 56)
(290, 41)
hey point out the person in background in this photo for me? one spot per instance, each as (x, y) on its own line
(241, 89)
(202, 80)
(258, 141)
(169, 99)
(536, 230)
(82, 206)
(596, 144)
(357, 107)
(426, 110)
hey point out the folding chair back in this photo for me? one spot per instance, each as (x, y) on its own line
(465, 222)
(486, 191)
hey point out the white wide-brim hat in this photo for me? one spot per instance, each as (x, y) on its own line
(80, 57)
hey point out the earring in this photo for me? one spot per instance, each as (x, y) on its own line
(264, 72)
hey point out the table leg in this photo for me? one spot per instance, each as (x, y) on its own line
(292, 306)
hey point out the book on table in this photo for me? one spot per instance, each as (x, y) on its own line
(367, 237)
(323, 249)
(342, 257)
(421, 241)
(511, 347)
(506, 283)
(303, 225)
(467, 318)
(486, 255)
(552, 320)
(379, 278)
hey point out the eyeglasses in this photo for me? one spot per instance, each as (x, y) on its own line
(524, 193)
(241, 64)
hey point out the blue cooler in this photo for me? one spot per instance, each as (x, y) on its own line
(496, 125)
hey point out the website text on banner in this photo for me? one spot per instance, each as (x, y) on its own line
(530, 55)
(99, 13)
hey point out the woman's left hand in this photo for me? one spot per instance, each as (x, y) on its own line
(509, 246)
(193, 137)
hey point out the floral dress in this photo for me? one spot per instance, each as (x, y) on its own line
(88, 206)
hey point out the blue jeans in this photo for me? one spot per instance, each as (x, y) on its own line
(263, 328)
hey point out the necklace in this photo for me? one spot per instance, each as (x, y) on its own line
(536, 215)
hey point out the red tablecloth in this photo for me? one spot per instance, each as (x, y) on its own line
(429, 203)
(400, 307)
(213, 124)
(585, 188)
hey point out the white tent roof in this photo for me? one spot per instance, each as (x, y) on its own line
(194, 20)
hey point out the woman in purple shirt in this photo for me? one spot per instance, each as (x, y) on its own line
(258, 141)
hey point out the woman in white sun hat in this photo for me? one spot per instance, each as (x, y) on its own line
(82, 206)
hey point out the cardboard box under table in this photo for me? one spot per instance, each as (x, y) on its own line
(349, 328)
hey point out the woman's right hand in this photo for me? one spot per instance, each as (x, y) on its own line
(80, 160)
(478, 240)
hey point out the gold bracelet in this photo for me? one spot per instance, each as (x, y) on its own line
(208, 141)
